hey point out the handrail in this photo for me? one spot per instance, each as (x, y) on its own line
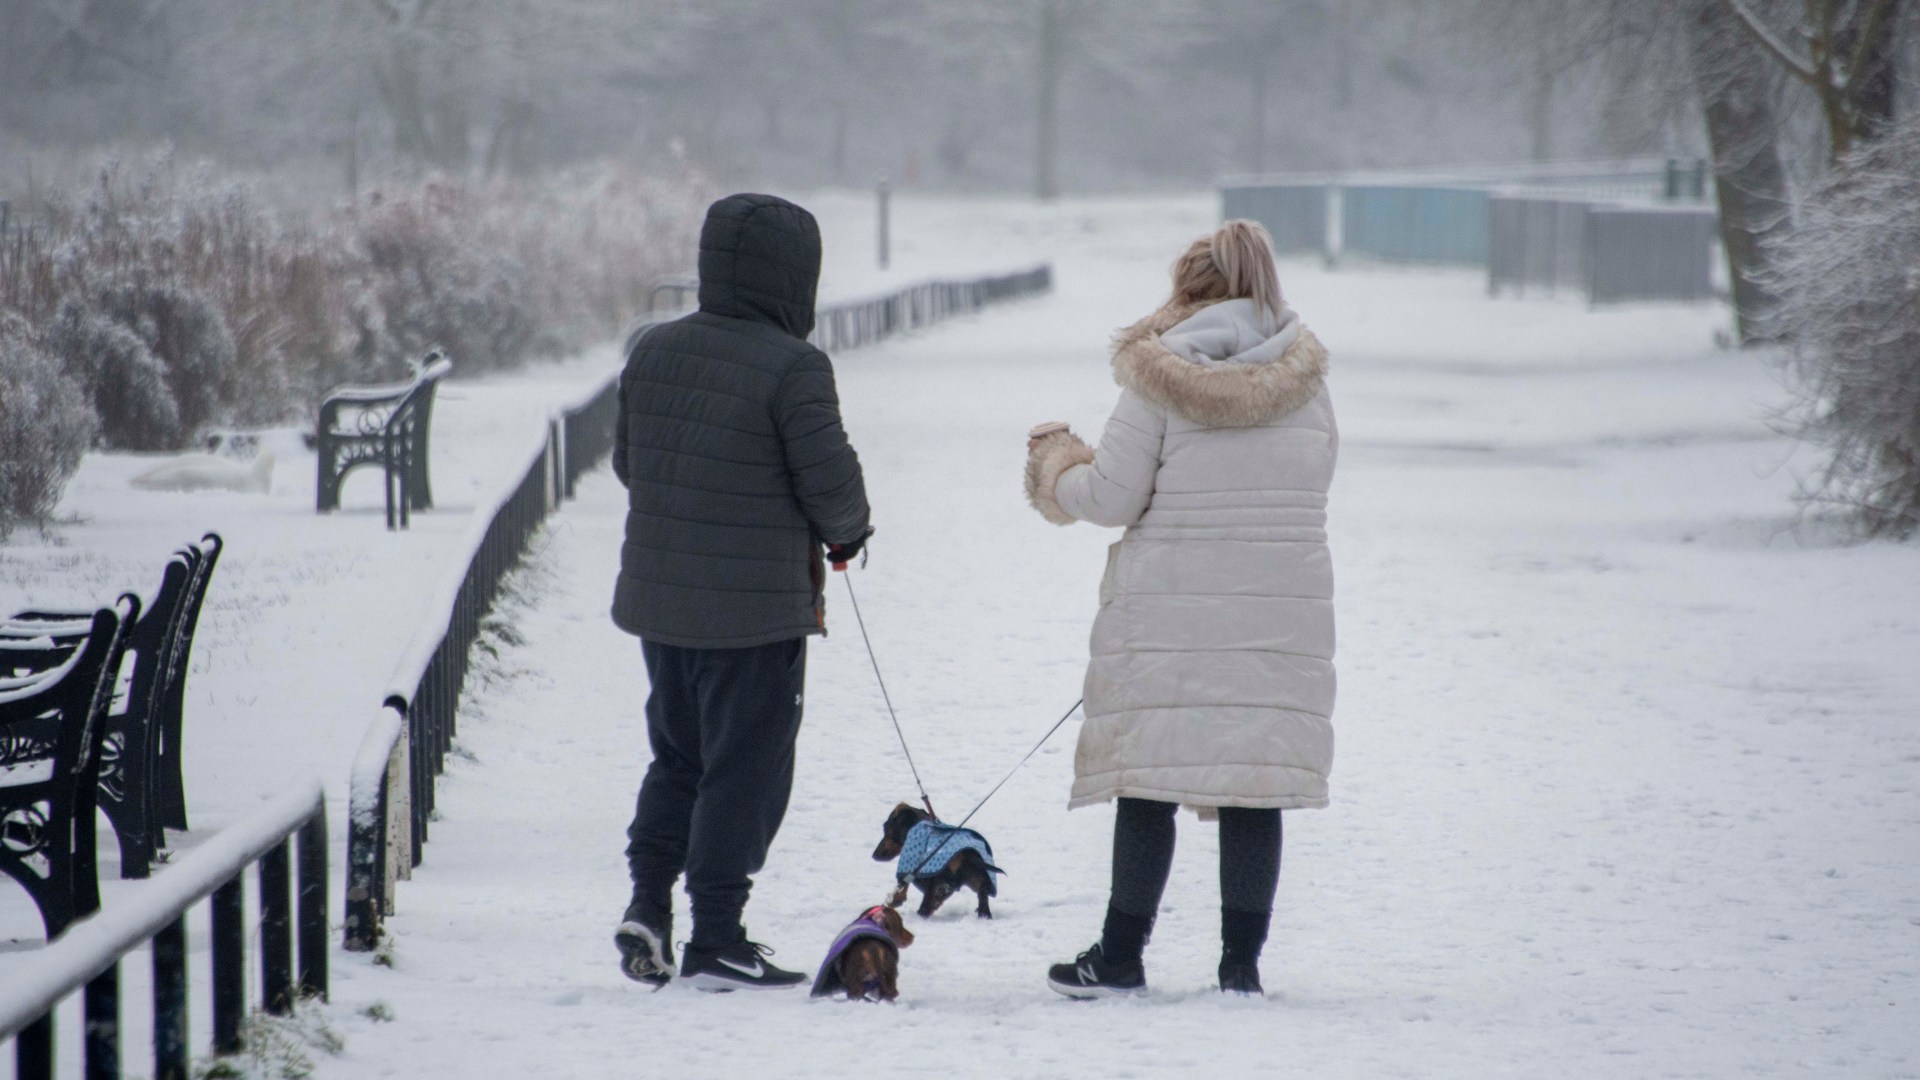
(87, 955)
(392, 790)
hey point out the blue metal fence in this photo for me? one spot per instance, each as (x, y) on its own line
(1406, 223)
(1615, 230)
(1296, 214)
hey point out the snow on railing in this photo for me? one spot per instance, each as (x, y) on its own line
(87, 955)
(405, 748)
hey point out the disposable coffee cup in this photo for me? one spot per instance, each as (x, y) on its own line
(1041, 431)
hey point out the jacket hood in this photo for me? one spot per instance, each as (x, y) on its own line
(1229, 370)
(760, 260)
(1233, 332)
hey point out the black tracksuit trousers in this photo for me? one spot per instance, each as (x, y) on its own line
(722, 723)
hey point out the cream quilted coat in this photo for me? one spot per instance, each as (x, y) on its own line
(1212, 679)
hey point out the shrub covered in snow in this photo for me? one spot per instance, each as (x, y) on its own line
(1849, 282)
(499, 273)
(149, 307)
(45, 425)
(126, 385)
(183, 302)
(441, 280)
(156, 361)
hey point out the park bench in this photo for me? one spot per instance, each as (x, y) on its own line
(385, 426)
(52, 730)
(141, 788)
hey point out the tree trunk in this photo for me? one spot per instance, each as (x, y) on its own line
(1258, 119)
(1874, 92)
(1540, 110)
(1049, 58)
(1342, 57)
(840, 144)
(1736, 97)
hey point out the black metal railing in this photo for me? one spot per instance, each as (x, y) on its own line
(405, 748)
(87, 956)
(855, 323)
(392, 794)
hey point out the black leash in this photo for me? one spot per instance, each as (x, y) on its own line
(915, 872)
(1023, 761)
(884, 696)
(925, 799)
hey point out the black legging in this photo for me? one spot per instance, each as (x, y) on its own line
(1143, 856)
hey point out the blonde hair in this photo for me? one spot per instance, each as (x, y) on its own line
(1234, 263)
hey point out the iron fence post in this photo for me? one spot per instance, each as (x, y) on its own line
(33, 1050)
(100, 1007)
(313, 979)
(170, 1001)
(229, 965)
(276, 928)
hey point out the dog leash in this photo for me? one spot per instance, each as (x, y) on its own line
(928, 857)
(1023, 761)
(925, 799)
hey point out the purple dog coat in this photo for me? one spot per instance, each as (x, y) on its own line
(866, 926)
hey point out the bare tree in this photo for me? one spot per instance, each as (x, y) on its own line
(1259, 40)
(1850, 303)
(1739, 103)
(1697, 52)
(1847, 60)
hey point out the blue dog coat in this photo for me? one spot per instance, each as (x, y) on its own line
(931, 846)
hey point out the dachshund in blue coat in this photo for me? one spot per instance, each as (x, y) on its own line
(941, 859)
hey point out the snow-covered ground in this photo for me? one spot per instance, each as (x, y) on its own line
(1627, 754)
(1625, 784)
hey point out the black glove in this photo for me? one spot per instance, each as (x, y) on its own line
(842, 554)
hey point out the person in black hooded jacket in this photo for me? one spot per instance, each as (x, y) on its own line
(738, 475)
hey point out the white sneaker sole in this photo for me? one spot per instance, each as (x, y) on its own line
(657, 951)
(719, 984)
(1093, 993)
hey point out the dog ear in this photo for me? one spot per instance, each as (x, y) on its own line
(896, 927)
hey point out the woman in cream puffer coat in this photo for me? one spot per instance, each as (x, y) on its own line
(1211, 683)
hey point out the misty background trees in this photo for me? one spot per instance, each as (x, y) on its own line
(1038, 94)
(1808, 111)
(441, 120)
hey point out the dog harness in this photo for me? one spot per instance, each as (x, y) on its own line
(827, 982)
(931, 845)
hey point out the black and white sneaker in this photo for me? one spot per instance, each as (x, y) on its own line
(644, 940)
(1092, 975)
(1240, 978)
(740, 966)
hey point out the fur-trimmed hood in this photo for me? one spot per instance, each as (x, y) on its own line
(1244, 390)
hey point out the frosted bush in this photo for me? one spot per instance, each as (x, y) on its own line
(1849, 282)
(186, 335)
(437, 283)
(178, 299)
(45, 426)
(124, 381)
(596, 242)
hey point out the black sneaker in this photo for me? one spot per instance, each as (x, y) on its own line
(1241, 978)
(644, 940)
(1092, 975)
(740, 966)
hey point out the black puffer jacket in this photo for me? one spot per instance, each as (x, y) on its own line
(730, 445)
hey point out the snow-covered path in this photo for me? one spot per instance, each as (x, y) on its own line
(1626, 774)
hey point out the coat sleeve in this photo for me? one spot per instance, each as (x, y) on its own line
(620, 432)
(1069, 481)
(821, 463)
